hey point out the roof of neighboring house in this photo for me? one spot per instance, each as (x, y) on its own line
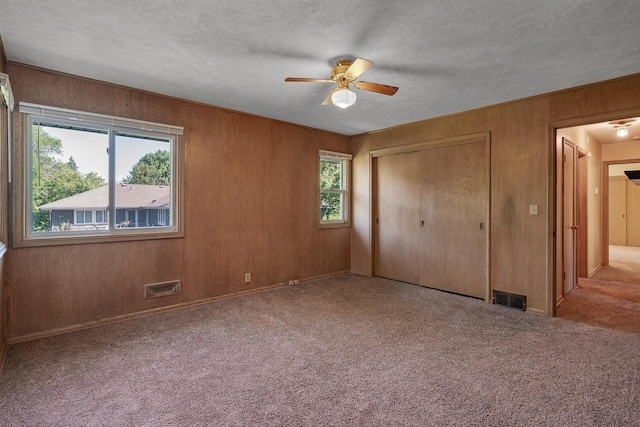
(128, 196)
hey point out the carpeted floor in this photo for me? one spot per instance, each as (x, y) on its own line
(344, 351)
(611, 297)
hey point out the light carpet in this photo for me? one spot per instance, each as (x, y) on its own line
(611, 297)
(344, 351)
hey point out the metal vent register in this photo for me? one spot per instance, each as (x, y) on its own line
(155, 290)
(510, 300)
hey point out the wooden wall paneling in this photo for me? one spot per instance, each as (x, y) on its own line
(362, 205)
(314, 258)
(598, 102)
(249, 206)
(201, 263)
(520, 170)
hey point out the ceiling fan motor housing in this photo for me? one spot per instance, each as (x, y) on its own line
(337, 72)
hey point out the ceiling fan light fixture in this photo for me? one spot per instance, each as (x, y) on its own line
(343, 98)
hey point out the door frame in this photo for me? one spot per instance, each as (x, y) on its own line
(555, 269)
(426, 145)
(605, 207)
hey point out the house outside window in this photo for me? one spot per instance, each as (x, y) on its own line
(81, 166)
(334, 182)
(84, 217)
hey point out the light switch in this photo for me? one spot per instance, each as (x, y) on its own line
(596, 190)
(533, 209)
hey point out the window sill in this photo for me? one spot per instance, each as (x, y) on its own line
(337, 224)
(94, 238)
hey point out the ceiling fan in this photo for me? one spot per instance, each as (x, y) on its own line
(345, 74)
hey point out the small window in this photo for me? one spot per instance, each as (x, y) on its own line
(102, 217)
(82, 166)
(84, 217)
(334, 189)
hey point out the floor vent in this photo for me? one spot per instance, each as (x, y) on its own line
(155, 290)
(510, 300)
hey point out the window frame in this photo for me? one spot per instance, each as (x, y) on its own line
(345, 191)
(24, 236)
(84, 216)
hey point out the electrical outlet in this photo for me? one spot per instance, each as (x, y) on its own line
(533, 209)
(296, 282)
(292, 282)
(247, 277)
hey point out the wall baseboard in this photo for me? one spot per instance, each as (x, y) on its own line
(107, 321)
(594, 271)
(537, 312)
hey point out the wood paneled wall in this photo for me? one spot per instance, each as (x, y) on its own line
(250, 188)
(522, 173)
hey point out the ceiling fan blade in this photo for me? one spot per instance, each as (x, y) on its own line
(327, 100)
(358, 67)
(376, 87)
(304, 79)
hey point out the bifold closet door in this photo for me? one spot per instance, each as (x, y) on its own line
(397, 217)
(454, 201)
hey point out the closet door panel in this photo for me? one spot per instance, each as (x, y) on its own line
(633, 214)
(454, 202)
(617, 211)
(397, 217)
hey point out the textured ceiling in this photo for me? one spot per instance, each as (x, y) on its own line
(446, 56)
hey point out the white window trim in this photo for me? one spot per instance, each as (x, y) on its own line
(84, 215)
(26, 238)
(345, 192)
(105, 214)
(97, 119)
(162, 213)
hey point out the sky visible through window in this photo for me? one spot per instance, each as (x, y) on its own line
(89, 151)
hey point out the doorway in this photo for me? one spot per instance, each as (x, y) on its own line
(587, 287)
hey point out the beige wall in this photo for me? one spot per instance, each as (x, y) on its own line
(618, 170)
(620, 151)
(250, 205)
(522, 173)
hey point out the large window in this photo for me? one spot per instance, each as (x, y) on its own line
(334, 189)
(89, 176)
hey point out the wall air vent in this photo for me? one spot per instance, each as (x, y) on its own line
(510, 300)
(634, 176)
(155, 290)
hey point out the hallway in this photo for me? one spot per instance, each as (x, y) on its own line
(611, 298)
